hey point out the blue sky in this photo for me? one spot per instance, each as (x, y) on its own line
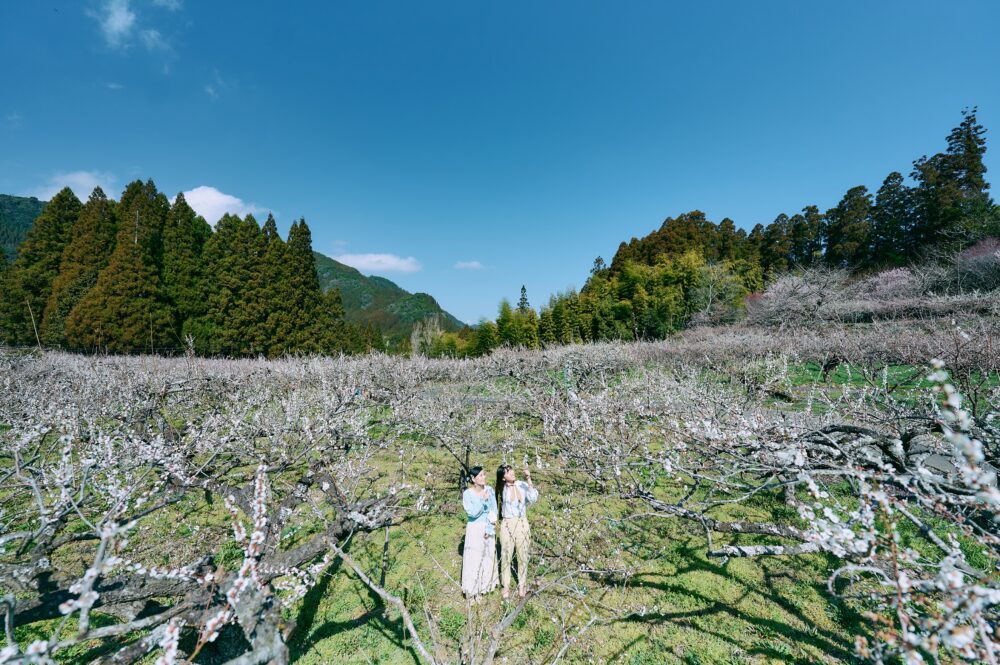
(465, 148)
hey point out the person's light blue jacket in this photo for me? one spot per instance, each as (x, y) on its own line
(478, 509)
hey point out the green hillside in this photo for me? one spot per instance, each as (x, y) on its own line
(17, 213)
(379, 301)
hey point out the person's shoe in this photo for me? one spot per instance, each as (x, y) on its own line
(505, 593)
(520, 591)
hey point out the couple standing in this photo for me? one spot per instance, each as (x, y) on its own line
(486, 506)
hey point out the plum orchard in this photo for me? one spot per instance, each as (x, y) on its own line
(104, 460)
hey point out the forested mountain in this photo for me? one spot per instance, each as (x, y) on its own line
(17, 213)
(379, 302)
(370, 303)
(142, 274)
(692, 269)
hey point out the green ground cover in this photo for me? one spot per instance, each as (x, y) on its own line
(697, 609)
(685, 607)
(675, 605)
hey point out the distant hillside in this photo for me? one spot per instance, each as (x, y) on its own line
(17, 213)
(378, 301)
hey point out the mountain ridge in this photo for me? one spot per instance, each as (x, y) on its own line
(379, 301)
(17, 214)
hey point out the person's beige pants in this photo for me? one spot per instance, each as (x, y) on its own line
(515, 534)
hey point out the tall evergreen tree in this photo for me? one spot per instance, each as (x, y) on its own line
(127, 310)
(755, 242)
(935, 197)
(301, 290)
(142, 215)
(311, 325)
(686, 232)
(36, 268)
(235, 310)
(273, 269)
(623, 254)
(846, 229)
(89, 249)
(776, 246)
(522, 303)
(270, 231)
(952, 202)
(805, 240)
(729, 244)
(334, 304)
(966, 149)
(892, 218)
(184, 237)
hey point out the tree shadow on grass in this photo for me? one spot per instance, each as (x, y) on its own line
(94, 650)
(766, 638)
(307, 634)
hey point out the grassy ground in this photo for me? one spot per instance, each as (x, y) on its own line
(686, 608)
(675, 606)
(678, 606)
(697, 610)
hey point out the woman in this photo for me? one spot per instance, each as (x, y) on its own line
(513, 497)
(479, 559)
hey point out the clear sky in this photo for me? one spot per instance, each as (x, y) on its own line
(466, 148)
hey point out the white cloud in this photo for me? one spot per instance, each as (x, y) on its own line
(212, 204)
(220, 86)
(373, 263)
(468, 265)
(119, 24)
(111, 85)
(81, 182)
(116, 19)
(14, 120)
(154, 41)
(172, 5)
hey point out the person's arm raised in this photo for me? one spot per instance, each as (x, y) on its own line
(531, 493)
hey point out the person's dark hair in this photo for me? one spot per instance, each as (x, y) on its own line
(473, 472)
(498, 488)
